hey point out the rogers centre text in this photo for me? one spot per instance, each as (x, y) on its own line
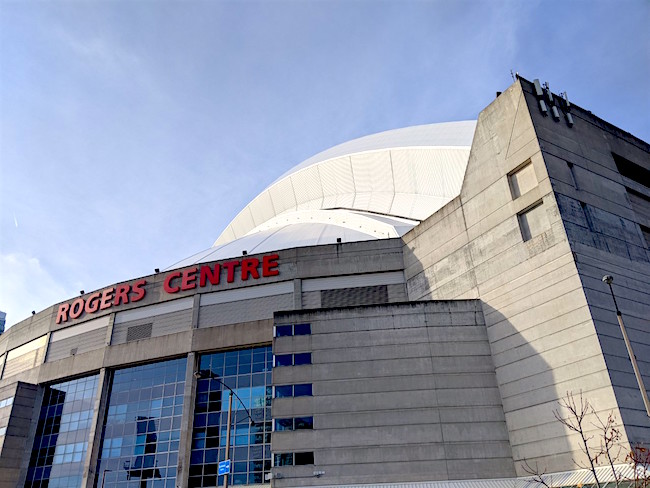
(174, 282)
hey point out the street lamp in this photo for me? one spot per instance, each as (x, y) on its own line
(104, 476)
(644, 394)
(203, 374)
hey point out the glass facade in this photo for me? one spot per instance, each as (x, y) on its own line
(61, 439)
(248, 373)
(141, 435)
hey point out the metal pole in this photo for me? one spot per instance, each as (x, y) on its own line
(225, 481)
(644, 394)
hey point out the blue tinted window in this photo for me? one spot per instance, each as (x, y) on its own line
(61, 439)
(284, 459)
(283, 360)
(142, 428)
(302, 390)
(302, 329)
(248, 373)
(302, 358)
(283, 330)
(304, 423)
(283, 391)
(283, 424)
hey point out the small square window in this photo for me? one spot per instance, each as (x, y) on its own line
(533, 221)
(304, 423)
(302, 358)
(283, 424)
(522, 180)
(302, 329)
(302, 390)
(283, 391)
(284, 459)
(283, 330)
(283, 360)
(303, 458)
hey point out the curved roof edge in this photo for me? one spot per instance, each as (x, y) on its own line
(408, 172)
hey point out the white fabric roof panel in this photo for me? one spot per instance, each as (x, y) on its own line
(406, 173)
(371, 176)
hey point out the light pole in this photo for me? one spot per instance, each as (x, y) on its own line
(644, 394)
(104, 476)
(203, 374)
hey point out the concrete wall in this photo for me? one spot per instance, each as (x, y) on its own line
(400, 393)
(602, 214)
(543, 339)
(174, 324)
(17, 418)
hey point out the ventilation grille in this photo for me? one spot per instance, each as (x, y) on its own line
(138, 332)
(349, 297)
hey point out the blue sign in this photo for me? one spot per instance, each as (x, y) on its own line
(224, 467)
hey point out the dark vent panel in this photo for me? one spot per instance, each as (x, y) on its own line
(350, 297)
(138, 332)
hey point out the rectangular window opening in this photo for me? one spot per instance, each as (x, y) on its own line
(522, 179)
(631, 170)
(533, 221)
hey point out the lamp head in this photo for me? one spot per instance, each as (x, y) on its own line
(608, 279)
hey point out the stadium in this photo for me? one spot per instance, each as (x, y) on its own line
(404, 309)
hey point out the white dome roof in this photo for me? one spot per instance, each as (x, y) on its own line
(374, 187)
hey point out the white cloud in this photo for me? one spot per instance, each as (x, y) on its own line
(26, 286)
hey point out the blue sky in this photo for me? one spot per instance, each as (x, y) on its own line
(133, 132)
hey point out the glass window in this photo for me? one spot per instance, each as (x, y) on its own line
(283, 424)
(284, 459)
(142, 427)
(283, 360)
(283, 391)
(302, 329)
(283, 330)
(62, 433)
(303, 458)
(250, 450)
(302, 390)
(304, 423)
(302, 358)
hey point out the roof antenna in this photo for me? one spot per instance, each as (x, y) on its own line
(513, 75)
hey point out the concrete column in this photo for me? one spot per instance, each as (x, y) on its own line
(36, 412)
(195, 310)
(109, 329)
(96, 427)
(3, 360)
(297, 294)
(187, 421)
(47, 347)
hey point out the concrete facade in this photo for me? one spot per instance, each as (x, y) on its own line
(438, 355)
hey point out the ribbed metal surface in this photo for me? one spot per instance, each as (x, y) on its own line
(25, 357)
(352, 281)
(163, 324)
(78, 344)
(154, 310)
(243, 310)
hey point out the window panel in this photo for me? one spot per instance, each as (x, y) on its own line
(302, 358)
(61, 439)
(302, 329)
(142, 426)
(302, 390)
(252, 382)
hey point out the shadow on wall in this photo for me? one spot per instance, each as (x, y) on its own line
(533, 392)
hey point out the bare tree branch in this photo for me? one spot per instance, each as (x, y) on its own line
(575, 421)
